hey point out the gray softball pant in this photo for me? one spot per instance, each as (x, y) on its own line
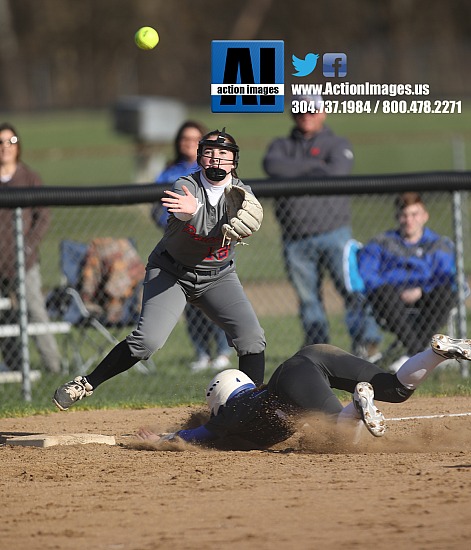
(220, 296)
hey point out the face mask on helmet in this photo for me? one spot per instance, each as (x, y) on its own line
(222, 141)
(214, 173)
(224, 386)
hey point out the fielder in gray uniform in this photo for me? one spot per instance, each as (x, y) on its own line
(194, 262)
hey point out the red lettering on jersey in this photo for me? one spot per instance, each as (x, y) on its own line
(220, 254)
(191, 230)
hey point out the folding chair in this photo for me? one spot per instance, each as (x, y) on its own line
(91, 331)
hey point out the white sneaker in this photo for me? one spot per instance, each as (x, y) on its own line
(221, 362)
(364, 404)
(396, 365)
(203, 363)
(451, 348)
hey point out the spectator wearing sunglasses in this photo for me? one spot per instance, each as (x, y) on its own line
(36, 221)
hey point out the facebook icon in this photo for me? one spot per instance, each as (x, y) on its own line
(334, 64)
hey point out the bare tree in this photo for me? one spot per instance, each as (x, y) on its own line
(250, 19)
(13, 79)
(69, 53)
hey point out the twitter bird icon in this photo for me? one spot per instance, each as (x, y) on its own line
(305, 66)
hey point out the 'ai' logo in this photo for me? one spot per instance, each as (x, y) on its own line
(247, 76)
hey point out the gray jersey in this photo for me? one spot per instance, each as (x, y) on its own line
(197, 243)
(190, 264)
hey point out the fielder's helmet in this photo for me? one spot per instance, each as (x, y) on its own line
(224, 386)
(222, 141)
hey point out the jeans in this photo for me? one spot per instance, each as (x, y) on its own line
(306, 260)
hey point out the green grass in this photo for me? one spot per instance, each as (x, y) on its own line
(170, 383)
(81, 148)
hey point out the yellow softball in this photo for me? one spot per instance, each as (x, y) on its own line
(146, 38)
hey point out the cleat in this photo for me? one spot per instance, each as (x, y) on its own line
(71, 392)
(451, 348)
(364, 404)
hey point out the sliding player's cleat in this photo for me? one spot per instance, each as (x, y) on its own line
(451, 348)
(372, 417)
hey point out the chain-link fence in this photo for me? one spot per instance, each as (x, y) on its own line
(92, 260)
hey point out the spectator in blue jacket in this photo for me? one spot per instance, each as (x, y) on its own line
(410, 270)
(203, 333)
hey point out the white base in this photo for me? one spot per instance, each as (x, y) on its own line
(43, 440)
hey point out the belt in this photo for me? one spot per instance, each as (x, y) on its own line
(204, 272)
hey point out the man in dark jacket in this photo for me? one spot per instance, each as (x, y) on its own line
(316, 230)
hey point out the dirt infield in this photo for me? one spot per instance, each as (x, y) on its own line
(411, 488)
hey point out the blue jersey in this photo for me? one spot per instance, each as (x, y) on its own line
(389, 260)
(255, 415)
